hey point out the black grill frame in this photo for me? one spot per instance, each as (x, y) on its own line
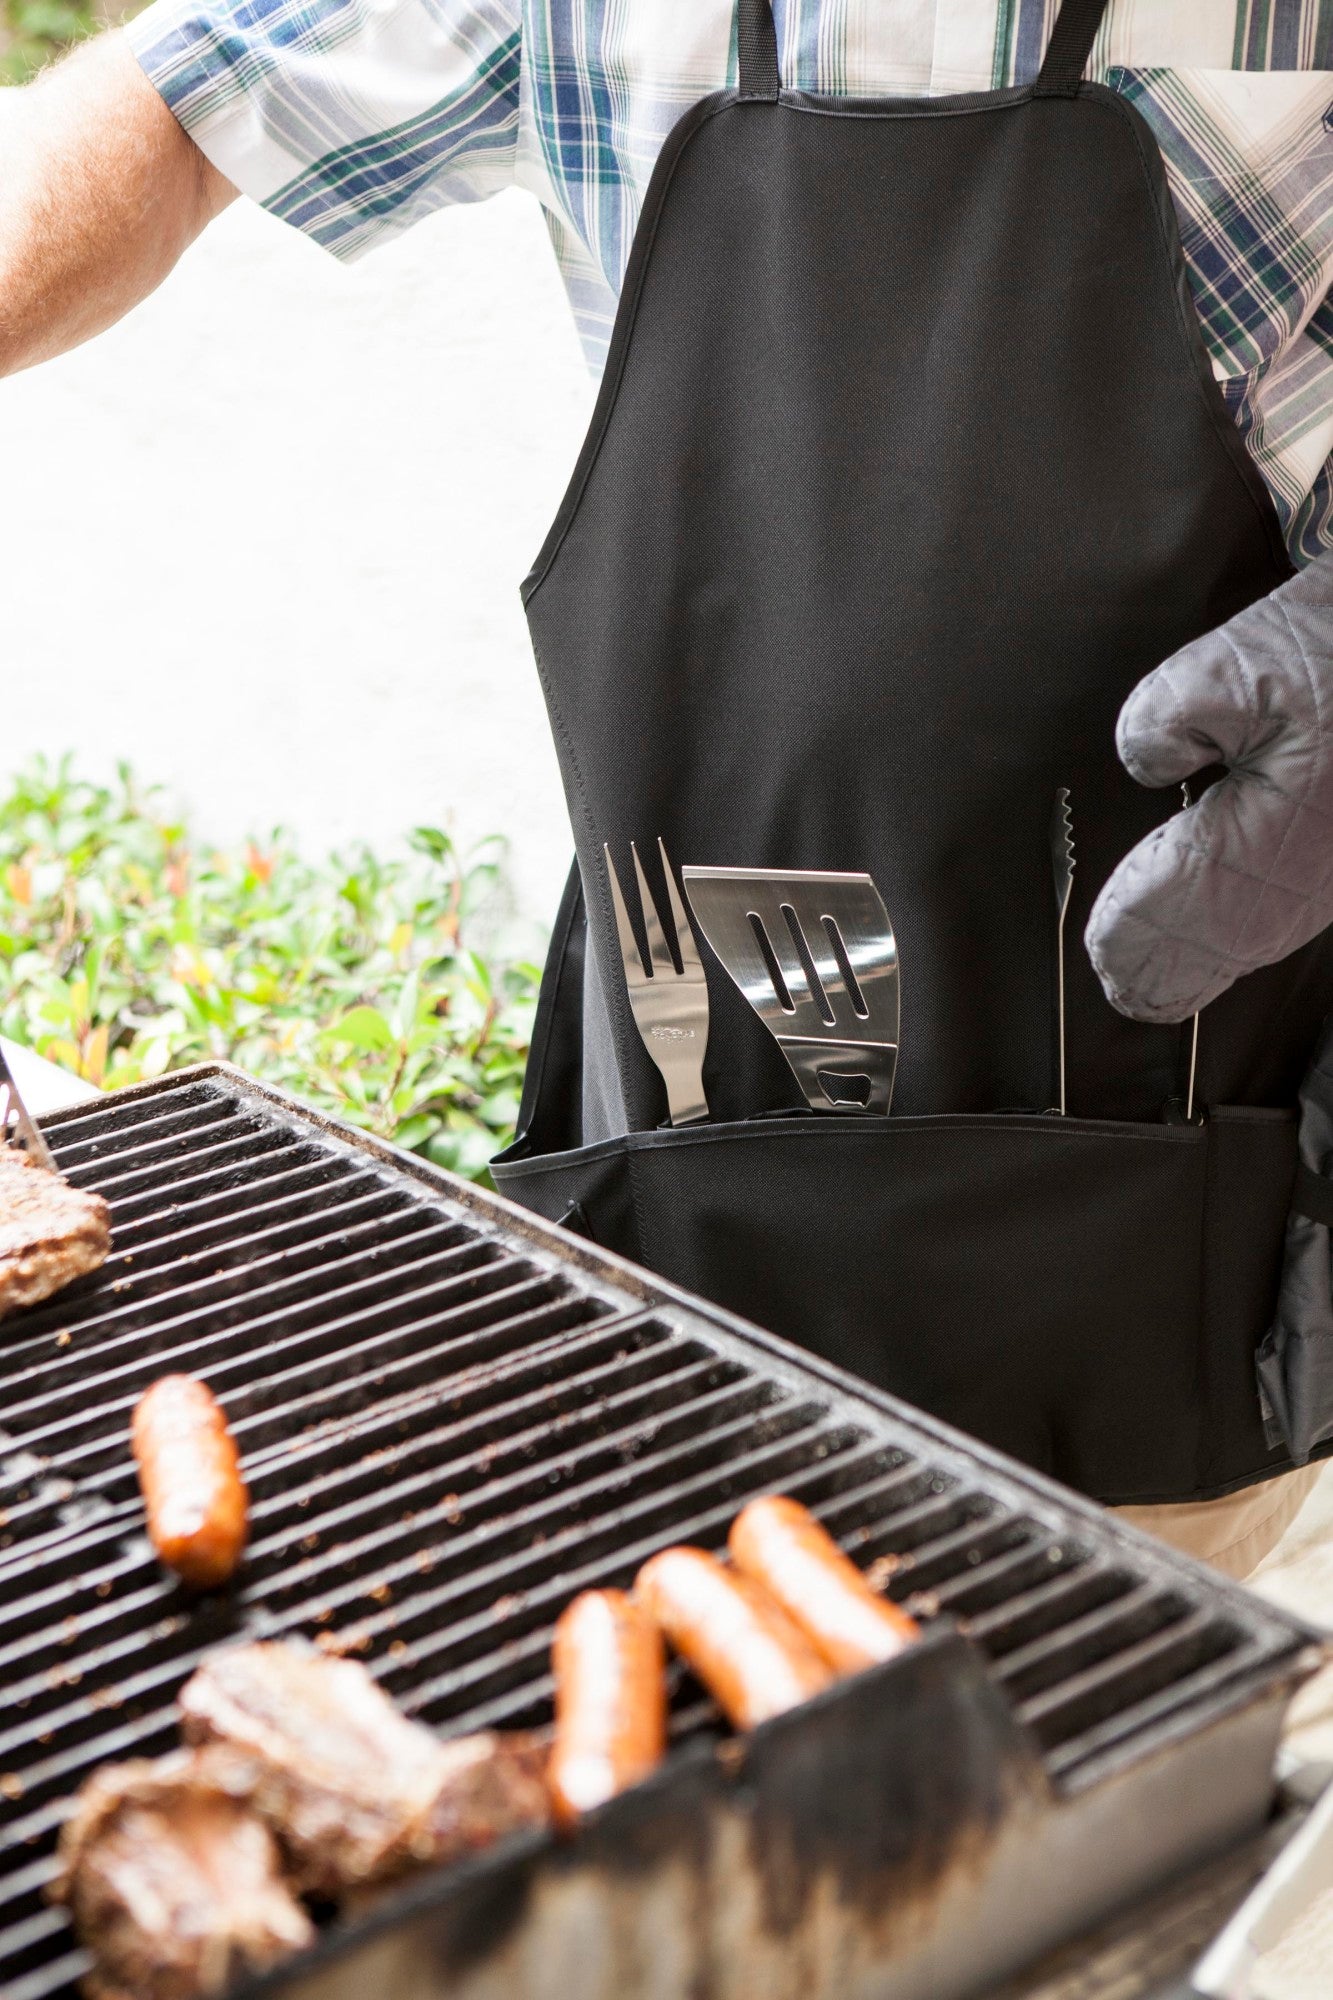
(643, 1416)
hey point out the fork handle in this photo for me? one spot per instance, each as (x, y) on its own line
(686, 1103)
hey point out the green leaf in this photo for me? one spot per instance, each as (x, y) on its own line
(361, 1028)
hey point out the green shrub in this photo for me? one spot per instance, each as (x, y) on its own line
(34, 32)
(127, 950)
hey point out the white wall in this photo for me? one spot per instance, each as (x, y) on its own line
(266, 536)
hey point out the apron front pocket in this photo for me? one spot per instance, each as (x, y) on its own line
(1036, 1281)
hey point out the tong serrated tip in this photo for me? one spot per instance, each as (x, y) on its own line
(1062, 848)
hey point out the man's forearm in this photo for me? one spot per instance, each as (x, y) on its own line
(100, 192)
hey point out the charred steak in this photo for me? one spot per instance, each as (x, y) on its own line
(50, 1232)
(354, 1791)
(173, 1883)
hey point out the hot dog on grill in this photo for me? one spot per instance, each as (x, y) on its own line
(779, 1544)
(610, 1701)
(745, 1649)
(190, 1476)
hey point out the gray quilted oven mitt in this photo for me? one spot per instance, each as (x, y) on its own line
(1245, 875)
(1238, 881)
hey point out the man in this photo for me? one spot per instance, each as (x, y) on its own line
(351, 121)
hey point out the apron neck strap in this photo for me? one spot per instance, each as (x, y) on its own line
(757, 51)
(1070, 46)
(1066, 56)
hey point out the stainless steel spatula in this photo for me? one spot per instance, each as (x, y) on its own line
(816, 958)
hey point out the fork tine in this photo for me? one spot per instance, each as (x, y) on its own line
(659, 951)
(686, 942)
(629, 944)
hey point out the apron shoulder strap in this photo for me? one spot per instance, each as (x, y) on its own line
(1069, 48)
(1066, 57)
(757, 51)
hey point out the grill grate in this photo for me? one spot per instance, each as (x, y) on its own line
(449, 1425)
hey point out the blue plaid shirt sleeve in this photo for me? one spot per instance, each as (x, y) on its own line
(348, 118)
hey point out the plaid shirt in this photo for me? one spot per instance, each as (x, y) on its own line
(352, 118)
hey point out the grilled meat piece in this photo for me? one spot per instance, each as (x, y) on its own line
(50, 1232)
(173, 1882)
(190, 1477)
(354, 1791)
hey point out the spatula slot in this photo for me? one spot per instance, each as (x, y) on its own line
(770, 958)
(808, 966)
(846, 968)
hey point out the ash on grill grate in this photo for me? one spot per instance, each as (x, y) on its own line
(448, 1428)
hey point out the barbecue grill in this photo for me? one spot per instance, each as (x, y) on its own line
(454, 1417)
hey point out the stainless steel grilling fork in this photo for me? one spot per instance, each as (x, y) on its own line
(17, 1126)
(670, 1004)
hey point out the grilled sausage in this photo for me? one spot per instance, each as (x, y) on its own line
(190, 1477)
(610, 1701)
(744, 1648)
(779, 1544)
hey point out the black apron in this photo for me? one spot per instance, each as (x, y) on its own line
(908, 463)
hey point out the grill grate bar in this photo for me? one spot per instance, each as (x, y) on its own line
(199, 1162)
(286, 1155)
(181, 1293)
(1065, 1595)
(561, 1323)
(477, 1270)
(1109, 1628)
(115, 1123)
(1145, 1655)
(313, 1177)
(170, 1149)
(1013, 1572)
(113, 1141)
(62, 1977)
(48, 1925)
(616, 1545)
(221, 1155)
(278, 1217)
(476, 1310)
(540, 1307)
(92, 1610)
(149, 1733)
(1077, 1750)
(617, 1344)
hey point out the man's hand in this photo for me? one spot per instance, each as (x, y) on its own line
(100, 192)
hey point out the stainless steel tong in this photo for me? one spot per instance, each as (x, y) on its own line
(1062, 865)
(669, 1000)
(17, 1126)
